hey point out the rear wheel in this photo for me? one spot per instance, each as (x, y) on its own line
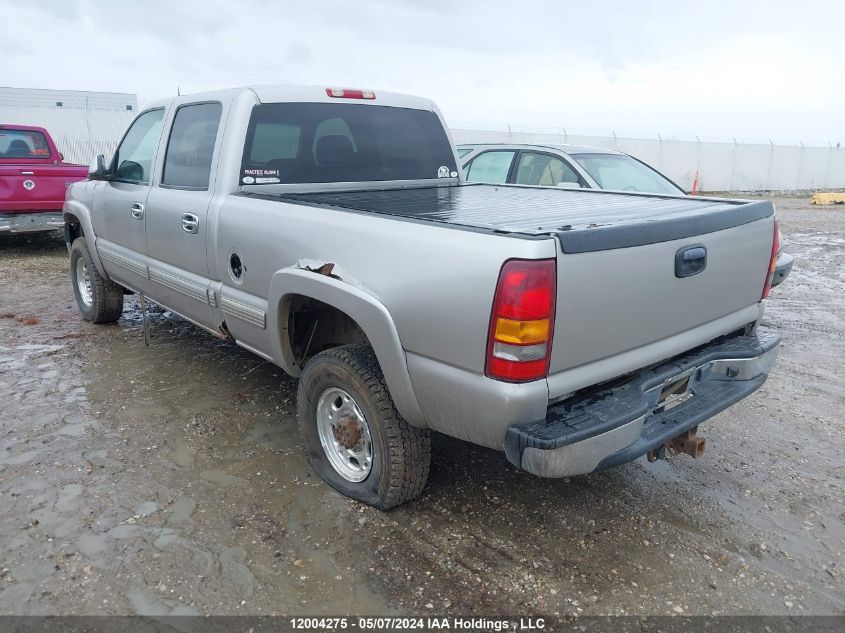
(100, 300)
(354, 438)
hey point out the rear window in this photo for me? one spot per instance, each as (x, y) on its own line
(623, 173)
(23, 144)
(327, 142)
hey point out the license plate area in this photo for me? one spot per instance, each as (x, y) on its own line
(673, 393)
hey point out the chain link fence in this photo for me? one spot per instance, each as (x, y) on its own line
(83, 130)
(80, 132)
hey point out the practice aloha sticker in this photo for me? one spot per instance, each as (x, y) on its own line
(260, 176)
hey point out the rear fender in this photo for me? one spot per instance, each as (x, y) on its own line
(367, 311)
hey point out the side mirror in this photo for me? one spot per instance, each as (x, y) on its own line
(568, 185)
(97, 170)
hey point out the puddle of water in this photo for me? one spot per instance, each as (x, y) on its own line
(68, 498)
(234, 569)
(124, 531)
(163, 541)
(96, 457)
(181, 454)
(146, 604)
(74, 430)
(146, 509)
(92, 545)
(20, 458)
(180, 511)
(279, 435)
(222, 478)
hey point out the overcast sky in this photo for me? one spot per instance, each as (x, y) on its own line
(752, 70)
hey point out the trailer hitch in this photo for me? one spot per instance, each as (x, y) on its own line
(687, 442)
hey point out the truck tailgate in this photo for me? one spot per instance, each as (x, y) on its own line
(27, 188)
(614, 300)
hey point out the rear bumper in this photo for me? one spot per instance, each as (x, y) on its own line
(30, 222)
(604, 429)
(784, 266)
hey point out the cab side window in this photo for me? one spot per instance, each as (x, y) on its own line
(134, 157)
(190, 148)
(544, 170)
(490, 167)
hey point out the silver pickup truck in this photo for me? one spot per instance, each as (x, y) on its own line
(330, 232)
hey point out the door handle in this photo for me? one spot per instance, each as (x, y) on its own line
(190, 223)
(695, 253)
(137, 210)
(690, 261)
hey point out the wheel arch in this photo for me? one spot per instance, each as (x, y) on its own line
(78, 224)
(362, 308)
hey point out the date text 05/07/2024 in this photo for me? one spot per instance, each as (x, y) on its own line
(418, 624)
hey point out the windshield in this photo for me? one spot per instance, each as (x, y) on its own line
(623, 173)
(344, 142)
(23, 144)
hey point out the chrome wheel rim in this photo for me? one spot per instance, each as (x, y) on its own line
(344, 434)
(83, 283)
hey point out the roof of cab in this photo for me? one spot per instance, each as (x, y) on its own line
(282, 94)
(298, 94)
(566, 149)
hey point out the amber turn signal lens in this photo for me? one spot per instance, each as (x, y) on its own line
(521, 332)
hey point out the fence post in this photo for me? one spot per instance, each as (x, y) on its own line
(800, 167)
(88, 130)
(660, 165)
(767, 184)
(697, 162)
(827, 184)
(733, 166)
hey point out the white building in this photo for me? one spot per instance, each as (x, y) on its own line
(83, 124)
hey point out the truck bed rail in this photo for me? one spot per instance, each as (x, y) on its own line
(583, 220)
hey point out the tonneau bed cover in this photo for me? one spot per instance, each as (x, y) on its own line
(583, 220)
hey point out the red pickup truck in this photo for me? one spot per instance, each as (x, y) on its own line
(33, 180)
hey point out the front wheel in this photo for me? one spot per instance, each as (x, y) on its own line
(354, 438)
(100, 300)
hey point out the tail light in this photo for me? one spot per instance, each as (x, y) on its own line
(519, 344)
(773, 263)
(349, 93)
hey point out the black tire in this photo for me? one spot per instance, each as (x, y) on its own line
(401, 452)
(106, 303)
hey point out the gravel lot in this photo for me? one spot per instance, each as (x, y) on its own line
(169, 480)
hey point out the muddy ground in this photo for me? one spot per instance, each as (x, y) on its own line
(169, 479)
